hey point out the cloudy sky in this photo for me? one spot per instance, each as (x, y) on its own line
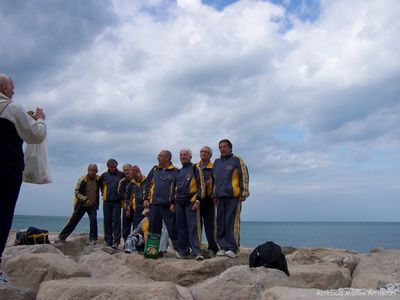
(307, 91)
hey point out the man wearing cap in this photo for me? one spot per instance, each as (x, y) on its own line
(134, 196)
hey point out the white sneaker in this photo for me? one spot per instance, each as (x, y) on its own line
(199, 257)
(221, 253)
(230, 254)
(3, 278)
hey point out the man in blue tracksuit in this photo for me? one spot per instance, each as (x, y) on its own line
(127, 220)
(134, 196)
(187, 192)
(157, 196)
(230, 190)
(109, 181)
(207, 207)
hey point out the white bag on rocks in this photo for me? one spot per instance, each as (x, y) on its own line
(36, 164)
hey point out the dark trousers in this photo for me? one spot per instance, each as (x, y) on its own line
(137, 218)
(189, 229)
(79, 212)
(9, 191)
(158, 214)
(127, 223)
(207, 213)
(112, 222)
(228, 223)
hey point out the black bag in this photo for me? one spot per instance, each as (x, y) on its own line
(32, 236)
(268, 255)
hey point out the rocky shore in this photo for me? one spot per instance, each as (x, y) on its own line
(76, 270)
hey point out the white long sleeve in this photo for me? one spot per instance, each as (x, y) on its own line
(30, 130)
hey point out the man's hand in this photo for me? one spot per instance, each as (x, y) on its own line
(173, 208)
(39, 114)
(146, 203)
(128, 213)
(242, 199)
(196, 205)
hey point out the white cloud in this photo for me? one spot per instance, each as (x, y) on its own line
(173, 75)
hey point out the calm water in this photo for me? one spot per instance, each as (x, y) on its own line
(357, 236)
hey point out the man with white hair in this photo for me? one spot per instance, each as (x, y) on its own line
(187, 192)
(207, 208)
(127, 220)
(16, 127)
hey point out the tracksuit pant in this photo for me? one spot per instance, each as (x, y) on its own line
(130, 223)
(158, 214)
(207, 213)
(228, 223)
(189, 229)
(79, 212)
(137, 218)
(9, 191)
(112, 222)
(127, 223)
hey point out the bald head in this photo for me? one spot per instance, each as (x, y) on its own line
(6, 85)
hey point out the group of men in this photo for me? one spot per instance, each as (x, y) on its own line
(183, 200)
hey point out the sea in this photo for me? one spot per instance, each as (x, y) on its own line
(357, 236)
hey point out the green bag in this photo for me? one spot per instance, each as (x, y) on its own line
(152, 245)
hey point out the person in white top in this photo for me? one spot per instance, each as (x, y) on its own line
(16, 126)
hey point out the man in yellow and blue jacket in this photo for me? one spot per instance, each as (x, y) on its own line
(86, 200)
(109, 182)
(207, 207)
(230, 190)
(157, 196)
(134, 196)
(187, 192)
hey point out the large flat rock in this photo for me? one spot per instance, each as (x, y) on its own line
(8, 292)
(104, 265)
(30, 269)
(324, 275)
(94, 288)
(241, 282)
(377, 269)
(287, 293)
(185, 272)
(341, 257)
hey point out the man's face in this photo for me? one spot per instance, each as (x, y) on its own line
(224, 149)
(92, 171)
(163, 158)
(185, 157)
(135, 173)
(205, 154)
(112, 168)
(126, 170)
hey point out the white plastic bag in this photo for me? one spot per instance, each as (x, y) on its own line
(36, 164)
